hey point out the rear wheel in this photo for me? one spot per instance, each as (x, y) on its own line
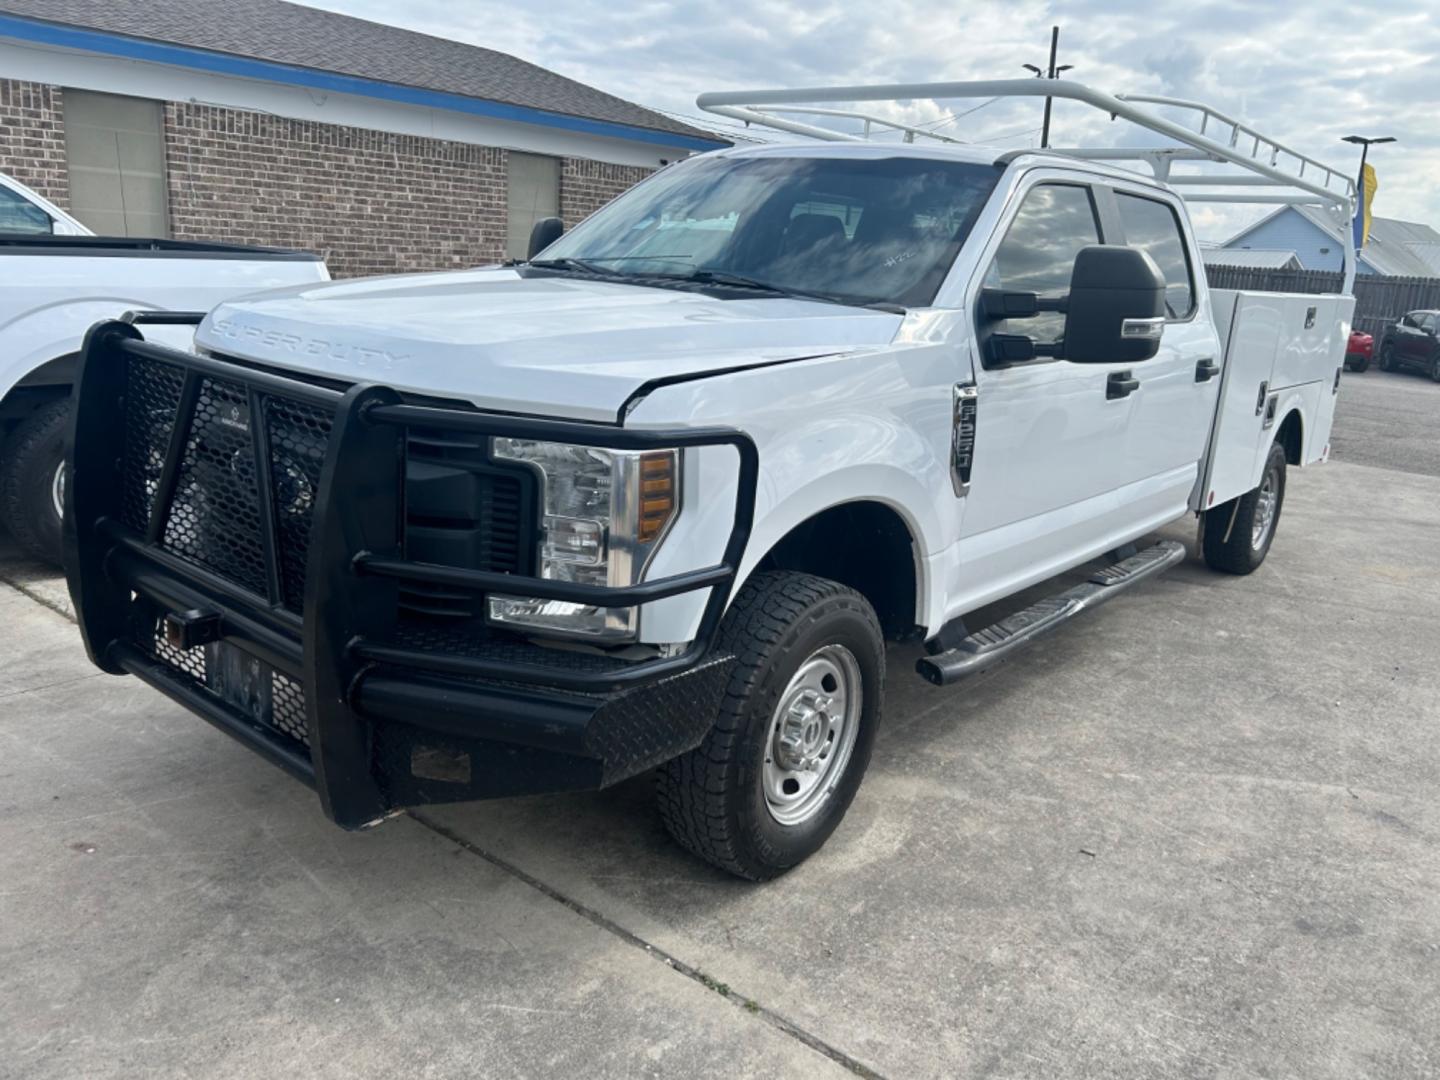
(776, 773)
(1435, 367)
(1238, 534)
(1360, 364)
(32, 480)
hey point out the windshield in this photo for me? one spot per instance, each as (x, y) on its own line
(857, 230)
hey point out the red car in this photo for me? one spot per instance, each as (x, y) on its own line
(1359, 350)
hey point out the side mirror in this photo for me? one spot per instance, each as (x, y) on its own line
(1116, 308)
(544, 233)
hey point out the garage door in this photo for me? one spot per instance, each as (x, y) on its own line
(115, 153)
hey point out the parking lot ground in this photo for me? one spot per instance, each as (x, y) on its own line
(1194, 834)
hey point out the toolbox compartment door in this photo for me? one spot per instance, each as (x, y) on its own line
(1278, 347)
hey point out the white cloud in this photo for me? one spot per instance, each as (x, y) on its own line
(1305, 74)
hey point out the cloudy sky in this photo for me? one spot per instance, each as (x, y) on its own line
(1304, 73)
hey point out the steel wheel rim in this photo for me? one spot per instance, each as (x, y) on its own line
(812, 735)
(57, 490)
(1265, 504)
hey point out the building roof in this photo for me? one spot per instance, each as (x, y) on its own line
(1262, 258)
(293, 35)
(1395, 249)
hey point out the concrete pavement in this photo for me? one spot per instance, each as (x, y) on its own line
(1195, 834)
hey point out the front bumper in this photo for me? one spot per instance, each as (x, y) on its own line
(375, 713)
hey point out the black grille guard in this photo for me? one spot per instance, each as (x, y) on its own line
(343, 648)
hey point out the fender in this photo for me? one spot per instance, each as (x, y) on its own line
(53, 331)
(853, 428)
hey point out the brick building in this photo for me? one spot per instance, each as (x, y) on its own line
(261, 121)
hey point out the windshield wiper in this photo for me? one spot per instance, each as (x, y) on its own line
(573, 264)
(742, 281)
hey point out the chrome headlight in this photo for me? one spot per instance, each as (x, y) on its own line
(604, 512)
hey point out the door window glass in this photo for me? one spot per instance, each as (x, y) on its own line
(19, 215)
(1153, 227)
(1054, 222)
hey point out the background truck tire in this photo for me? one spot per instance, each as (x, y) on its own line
(1238, 534)
(1360, 366)
(716, 800)
(29, 461)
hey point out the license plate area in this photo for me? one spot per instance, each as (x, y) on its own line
(240, 680)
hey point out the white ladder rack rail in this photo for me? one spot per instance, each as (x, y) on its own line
(1262, 162)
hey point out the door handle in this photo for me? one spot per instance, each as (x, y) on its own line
(1206, 369)
(1120, 384)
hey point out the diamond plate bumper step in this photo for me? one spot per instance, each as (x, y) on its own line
(985, 648)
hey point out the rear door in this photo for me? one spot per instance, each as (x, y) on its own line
(1180, 385)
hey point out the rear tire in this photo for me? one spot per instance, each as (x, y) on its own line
(776, 773)
(32, 482)
(1360, 366)
(1238, 534)
(1435, 368)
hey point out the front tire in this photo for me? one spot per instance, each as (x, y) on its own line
(1387, 357)
(779, 768)
(32, 480)
(1238, 534)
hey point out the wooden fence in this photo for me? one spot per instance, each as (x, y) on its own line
(1379, 301)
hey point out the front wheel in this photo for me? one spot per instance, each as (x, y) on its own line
(1387, 357)
(1435, 367)
(791, 742)
(1238, 533)
(32, 480)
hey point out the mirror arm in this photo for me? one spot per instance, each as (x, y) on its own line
(1002, 304)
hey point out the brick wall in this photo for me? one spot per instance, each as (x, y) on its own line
(587, 185)
(370, 202)
(32, 138)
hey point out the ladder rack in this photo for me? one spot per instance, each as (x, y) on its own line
(1265, 169)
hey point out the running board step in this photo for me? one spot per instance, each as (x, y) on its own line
(985, 648)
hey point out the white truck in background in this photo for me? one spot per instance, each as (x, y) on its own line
(658, 496)
(56, 279)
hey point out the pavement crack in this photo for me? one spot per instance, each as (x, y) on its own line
(603, 922)
(25, 590)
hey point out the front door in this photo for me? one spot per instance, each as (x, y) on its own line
(1069, 461)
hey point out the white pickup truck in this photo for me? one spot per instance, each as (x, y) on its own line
(656, 498)
(56, 279)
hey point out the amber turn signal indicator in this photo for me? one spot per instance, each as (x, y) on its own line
(657, 494)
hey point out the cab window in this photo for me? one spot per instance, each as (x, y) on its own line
(1153, 227)
(18, 215)
(1038, 253)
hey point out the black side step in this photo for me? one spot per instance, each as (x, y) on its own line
(986, 648)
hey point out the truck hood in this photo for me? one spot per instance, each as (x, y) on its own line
(557, 346)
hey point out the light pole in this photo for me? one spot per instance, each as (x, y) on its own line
(1357, 227)
(1052, 72)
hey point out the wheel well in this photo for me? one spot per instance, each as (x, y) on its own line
(1292, 437)
(49, 381)
(865, 545)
